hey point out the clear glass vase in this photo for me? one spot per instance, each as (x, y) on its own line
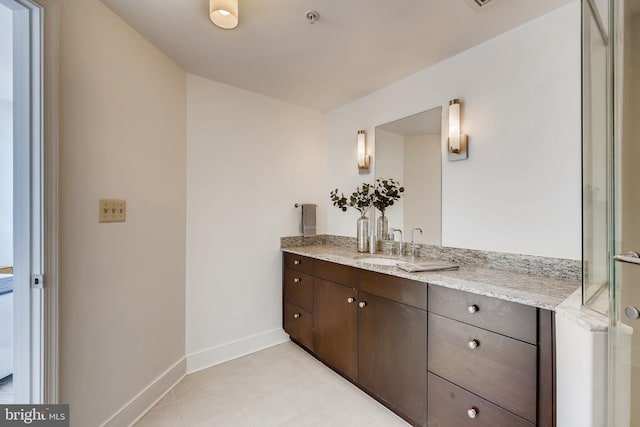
(363, 234)
(382, 227)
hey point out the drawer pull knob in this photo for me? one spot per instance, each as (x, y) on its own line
(296, 262)
(472, 413)
(362, 304)
(473, 308)
(350, 300)
(296, 315)
(297, 280)
(473, 344)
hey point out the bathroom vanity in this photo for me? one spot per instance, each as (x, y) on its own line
(472, 347)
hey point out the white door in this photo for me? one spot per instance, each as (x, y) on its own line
(27, 201)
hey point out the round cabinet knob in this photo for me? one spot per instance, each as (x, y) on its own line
(472, 413)
(296, 315)
(296, 262)
(362, 304)
(473, 344)
(473, 308)
(297, 280)
(632, 313)
(350, 300)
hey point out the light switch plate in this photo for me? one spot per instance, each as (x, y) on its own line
(112, 210)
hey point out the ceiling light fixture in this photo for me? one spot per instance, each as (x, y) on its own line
(224, 13)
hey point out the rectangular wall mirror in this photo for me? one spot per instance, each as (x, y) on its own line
(409, 150)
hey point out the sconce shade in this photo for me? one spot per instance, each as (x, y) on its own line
(457, 140)
(224, 13)
(363, 158)
(454, 125)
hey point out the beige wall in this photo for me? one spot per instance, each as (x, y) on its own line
(122, 286)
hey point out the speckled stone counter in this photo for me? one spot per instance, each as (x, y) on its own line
(572, 309)
(534, 290)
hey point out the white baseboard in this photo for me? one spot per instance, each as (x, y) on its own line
(135, 409)
(232, 350)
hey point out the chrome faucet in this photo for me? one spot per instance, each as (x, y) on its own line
(413, 245)
(401, 246)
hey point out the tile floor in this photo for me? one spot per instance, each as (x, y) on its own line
(279, 386)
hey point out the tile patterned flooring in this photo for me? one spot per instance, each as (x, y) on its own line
(279, 386)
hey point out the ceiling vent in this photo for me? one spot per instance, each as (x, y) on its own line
(478, 5)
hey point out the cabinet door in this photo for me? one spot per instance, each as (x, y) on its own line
(335, 339)
(392, 354)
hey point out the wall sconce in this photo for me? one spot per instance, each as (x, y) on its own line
(363, 158)
(457, 141)
(224, 13)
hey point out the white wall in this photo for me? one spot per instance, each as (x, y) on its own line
(250, 158)
(520, 189)
(6, 137)
(122, 286)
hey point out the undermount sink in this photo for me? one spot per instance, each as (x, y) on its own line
(379, 261)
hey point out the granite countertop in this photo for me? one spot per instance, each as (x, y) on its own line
(534, 290)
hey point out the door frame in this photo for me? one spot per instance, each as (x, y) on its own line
(43, 249)
(50, 48)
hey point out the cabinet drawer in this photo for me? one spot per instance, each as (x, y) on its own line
(298, 289)
(336, 273)
(394, 288)
(298, 262)
(499, 369)
(449, 405)
(504, 317)
(298, 323)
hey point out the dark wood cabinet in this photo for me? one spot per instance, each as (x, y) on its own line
(298, 323)
(335, 326)
(297, 298)
(499, 368)
(499, 352)
(336, 273)
(298, 288)
(392, 354)
(437, 357)
(298, 262)
(453, 406)
(504, 317)
(398, 289)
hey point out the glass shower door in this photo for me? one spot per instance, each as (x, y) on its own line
(624, 335)
(596, 154)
